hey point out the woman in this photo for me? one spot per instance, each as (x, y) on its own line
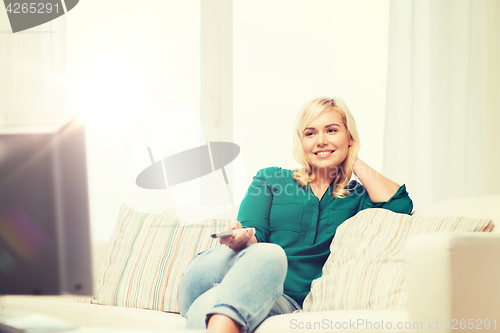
(295, 215)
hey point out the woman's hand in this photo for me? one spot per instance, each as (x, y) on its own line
(379, 188)
(241, 240)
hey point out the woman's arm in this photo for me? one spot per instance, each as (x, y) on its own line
(379, 188)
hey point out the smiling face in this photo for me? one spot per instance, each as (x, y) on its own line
(326, 143)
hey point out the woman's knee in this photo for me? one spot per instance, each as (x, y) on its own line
(270, 255)
(270, 251)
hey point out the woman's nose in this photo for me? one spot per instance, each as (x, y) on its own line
(321, 139)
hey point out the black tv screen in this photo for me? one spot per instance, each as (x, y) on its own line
(44, 210)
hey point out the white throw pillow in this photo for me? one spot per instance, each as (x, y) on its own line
(366, 268)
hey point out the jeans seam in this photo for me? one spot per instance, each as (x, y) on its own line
(294, 303)
(235, 310)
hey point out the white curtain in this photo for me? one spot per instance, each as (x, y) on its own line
(442, 127)
(32, 70)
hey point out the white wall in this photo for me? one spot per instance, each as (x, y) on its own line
(288, 51)
(128, 61)
(124, 66)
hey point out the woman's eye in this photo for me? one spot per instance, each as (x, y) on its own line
(307, 134)
(330, 130)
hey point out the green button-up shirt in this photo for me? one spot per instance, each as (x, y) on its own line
(290, 215)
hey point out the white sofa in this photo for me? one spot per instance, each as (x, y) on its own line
(449, 276)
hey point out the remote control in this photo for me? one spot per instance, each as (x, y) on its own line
(234, 232)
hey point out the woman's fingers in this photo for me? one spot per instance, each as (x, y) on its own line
(239, 241)
(226, 240)
(233, 225)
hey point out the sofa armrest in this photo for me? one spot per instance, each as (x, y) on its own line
(454, 275)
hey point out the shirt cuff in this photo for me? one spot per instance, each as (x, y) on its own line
(400, 193)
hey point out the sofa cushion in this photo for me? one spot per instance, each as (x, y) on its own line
(147, 256)
(86, 315)
(366, 267)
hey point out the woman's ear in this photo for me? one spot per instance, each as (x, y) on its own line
(351, 141)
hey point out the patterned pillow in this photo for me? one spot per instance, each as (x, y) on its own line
(147, 256)
(366, 267)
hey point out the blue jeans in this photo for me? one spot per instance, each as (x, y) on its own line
(246, 286)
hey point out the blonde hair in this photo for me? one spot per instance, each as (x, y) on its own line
(309, 112)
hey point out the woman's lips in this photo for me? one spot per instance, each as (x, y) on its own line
(324, 154)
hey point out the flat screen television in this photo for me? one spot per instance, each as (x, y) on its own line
(44, 209)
